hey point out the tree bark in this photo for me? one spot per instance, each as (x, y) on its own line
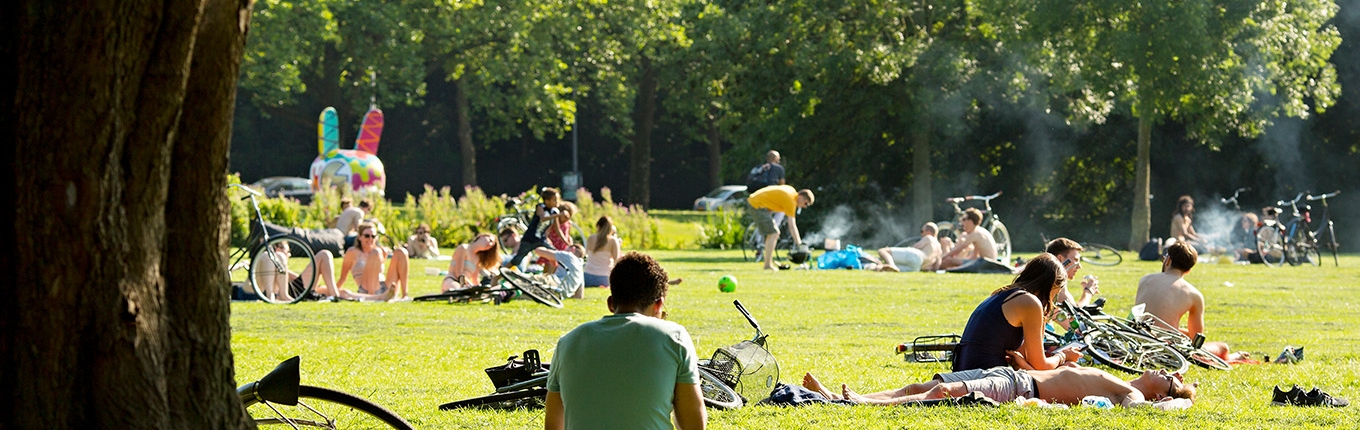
(465, 145)
(120, 119)
(921, 191)
(714, 153)
(1141, 219)
(640, 167)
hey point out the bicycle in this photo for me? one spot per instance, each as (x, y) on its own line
(283, 255)
(747, 366)
(517, 217)
(990, 221)
(1294, 242)
(1190, 348)
(540, 288)
(1097, 254)
(753, 242)
(1113, 343)
(1326, 224)
(279, 398)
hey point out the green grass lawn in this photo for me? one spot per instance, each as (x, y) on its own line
(840, 325)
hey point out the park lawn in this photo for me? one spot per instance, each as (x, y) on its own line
(839, 325)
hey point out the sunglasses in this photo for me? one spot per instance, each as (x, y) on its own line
(1170, 384)
(369, 236)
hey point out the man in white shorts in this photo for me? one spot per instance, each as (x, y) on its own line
(921, 255)
(1066, 385)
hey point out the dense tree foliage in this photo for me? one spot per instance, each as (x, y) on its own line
(1082, 113)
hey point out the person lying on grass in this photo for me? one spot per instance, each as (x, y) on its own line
(1066, 385)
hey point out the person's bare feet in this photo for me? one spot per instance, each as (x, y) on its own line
(888, 268)
(810, 382)
(848, 394)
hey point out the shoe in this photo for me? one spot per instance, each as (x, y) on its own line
(1290, 355)
(1286, 398)
(1316, 397)
(783, 266)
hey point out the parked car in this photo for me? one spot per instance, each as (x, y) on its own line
(296, 188)
(727, 197)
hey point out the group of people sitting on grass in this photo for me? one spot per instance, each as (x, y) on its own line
(383, 273)
(651, 367)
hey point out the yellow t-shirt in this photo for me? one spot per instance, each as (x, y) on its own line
(777, 198)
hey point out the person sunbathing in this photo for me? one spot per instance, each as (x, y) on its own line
(1066, 385)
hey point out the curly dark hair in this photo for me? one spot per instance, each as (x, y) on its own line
(637, 280)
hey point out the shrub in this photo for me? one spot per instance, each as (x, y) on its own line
(721, 230)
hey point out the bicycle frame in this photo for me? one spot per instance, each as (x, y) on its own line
(255, 238)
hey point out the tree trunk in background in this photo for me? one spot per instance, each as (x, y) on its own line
(120, 118)
(921, 191)
(328, 90)
(464, 120)
(1142, 213)
(640, 167)
(714, 154)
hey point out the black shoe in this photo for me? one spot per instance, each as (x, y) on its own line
(1318, 398)
(1285, 398)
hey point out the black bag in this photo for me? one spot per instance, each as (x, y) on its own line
(515, 371)
(1152, 250)
(758, 178)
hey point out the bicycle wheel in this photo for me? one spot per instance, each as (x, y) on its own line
(530, 398)
(1205, 359)
(275, 262)
(1133, 352)
(533, 289)
(1308, 253)
(751, 243)
(1270, 246)
(1003, 242)
(327, 409)
(1101, 255)
(716, 393)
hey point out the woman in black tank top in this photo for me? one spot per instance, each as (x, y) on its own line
(1012, 318)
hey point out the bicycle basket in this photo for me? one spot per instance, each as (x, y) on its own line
(747, 367)
(515, 371)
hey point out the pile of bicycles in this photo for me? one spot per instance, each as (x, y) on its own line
(1295, 240)
(737, 374)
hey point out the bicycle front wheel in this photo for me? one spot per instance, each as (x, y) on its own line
(751, 243)
(325, 408)
(533, 289)
(1101, 255)
(1133, 353)
(717, 394)
(282, 270)
(1003, 242)
(1270, 246)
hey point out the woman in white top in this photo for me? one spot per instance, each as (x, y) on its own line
(365, 259)
(602, 249)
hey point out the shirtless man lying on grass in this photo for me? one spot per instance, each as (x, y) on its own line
(1067, 385)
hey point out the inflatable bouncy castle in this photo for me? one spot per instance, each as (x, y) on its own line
(358, 167)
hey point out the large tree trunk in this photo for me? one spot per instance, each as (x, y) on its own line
(118, 311)
(714, 153)
(1142, 213)
(640, 168)
(465, 146)
(922, 210)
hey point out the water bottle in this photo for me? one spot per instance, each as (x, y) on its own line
(1101, 402)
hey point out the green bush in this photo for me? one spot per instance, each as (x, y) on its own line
(721, 230)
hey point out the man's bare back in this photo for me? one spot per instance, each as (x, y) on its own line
(1170, 297)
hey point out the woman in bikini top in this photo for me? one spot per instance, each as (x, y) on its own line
(469, 260)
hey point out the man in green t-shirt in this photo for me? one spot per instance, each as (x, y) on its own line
(630, 369)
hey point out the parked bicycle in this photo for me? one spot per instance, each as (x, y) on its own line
(1326, 232)
(753, 244)
(1294, 241)
(517, 216)
(266, 257)
(280, 399)
(990, 221)
(735, 374)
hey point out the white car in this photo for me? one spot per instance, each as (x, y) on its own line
(727, 197)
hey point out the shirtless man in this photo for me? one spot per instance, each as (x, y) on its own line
(919, 256)
(1170, 297)
(984, 246)
(1068, 252)
(1066, 385)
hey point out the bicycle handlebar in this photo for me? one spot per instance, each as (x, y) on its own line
(973, 197)
(1324, 196)
(1294, 202)
(745, 313)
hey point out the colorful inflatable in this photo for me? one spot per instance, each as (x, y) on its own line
(358, 167)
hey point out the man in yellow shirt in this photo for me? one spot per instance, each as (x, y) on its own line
(777, 199)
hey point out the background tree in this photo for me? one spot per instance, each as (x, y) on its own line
(119, 113)
(1218, 67)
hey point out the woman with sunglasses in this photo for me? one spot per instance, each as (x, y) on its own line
(421, 244)
(365, 259)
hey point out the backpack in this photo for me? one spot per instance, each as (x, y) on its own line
(758, 178)
(1152, 250)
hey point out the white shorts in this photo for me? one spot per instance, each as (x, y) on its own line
(907, 259)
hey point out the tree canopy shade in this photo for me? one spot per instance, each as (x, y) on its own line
(119, 115)
(1219, 67)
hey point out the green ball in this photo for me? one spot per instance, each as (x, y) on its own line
(727, 284)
